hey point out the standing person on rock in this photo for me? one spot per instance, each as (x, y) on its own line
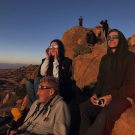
(55, 64)
(80, 21)
(115, 85)
(105, 26)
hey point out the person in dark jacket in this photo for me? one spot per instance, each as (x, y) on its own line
(80, 21)
(115, 86)
(91, 38)
(55, 64)
(105, 26)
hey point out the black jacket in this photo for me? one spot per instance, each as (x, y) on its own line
(65, 74)
(117, 72)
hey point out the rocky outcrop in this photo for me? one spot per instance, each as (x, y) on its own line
(126, 123)
(85, 70)
(85, 67)
(74, 37)
(132, 40)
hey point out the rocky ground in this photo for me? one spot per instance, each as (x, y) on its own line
(12, 85)
(85, 70)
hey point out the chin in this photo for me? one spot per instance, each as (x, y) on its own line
(113, 46)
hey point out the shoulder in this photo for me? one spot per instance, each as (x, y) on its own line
(67, 60)
(103, 59)
(35, 103)
(61, 105)
(43, 59)
(67, 63)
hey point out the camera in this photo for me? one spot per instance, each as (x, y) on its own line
(100, 102)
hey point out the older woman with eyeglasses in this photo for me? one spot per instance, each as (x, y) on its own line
(54, 64)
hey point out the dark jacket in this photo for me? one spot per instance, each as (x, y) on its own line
(65, 74)
(117, 72)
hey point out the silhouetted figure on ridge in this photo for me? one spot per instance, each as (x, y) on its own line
(105, 26)
(80, 21)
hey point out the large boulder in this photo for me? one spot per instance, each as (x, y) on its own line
(73, 37)
(125, 125)
(132, 40)
(85, 67)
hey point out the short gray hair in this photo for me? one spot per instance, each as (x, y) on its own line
(53, 82)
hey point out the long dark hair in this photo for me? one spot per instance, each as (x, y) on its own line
(61, 52)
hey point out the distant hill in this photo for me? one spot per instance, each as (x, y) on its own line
(8, 65)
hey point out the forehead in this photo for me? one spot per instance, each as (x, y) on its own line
(54, 43)
(44, 83)
(113, 33)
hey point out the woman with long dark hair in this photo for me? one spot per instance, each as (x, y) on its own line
(54, 64)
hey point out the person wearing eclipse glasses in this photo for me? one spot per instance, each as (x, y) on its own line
(115, 88)
(54, 64)
(49, 115)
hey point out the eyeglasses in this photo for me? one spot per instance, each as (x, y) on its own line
(53, 47)
(112, 37)
(43, 87)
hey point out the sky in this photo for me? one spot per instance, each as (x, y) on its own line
(28, 26)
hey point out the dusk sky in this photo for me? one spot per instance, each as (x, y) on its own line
(28, 26)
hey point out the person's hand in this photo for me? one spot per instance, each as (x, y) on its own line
(107, 99)
(56, 54)
(47, 53)
(94, 99)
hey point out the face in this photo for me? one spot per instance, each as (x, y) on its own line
(45, 93)
(54, 48)
(113, 39)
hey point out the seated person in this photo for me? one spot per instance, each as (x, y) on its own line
(49, 114)
(55, 64)
(115, 85)
(15, 117)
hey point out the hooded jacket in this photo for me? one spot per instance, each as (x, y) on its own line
(117, 72)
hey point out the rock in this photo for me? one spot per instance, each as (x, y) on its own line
(86, 66)
(132, 40)
(73, 37)
(126, 123)
(132, 49)
(98, 30)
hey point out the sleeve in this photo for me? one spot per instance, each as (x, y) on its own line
(62, 120)
(44, 67)
(55, 68)
(100, 78)
(128, 87)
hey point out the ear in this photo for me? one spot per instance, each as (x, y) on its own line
(52, 91)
